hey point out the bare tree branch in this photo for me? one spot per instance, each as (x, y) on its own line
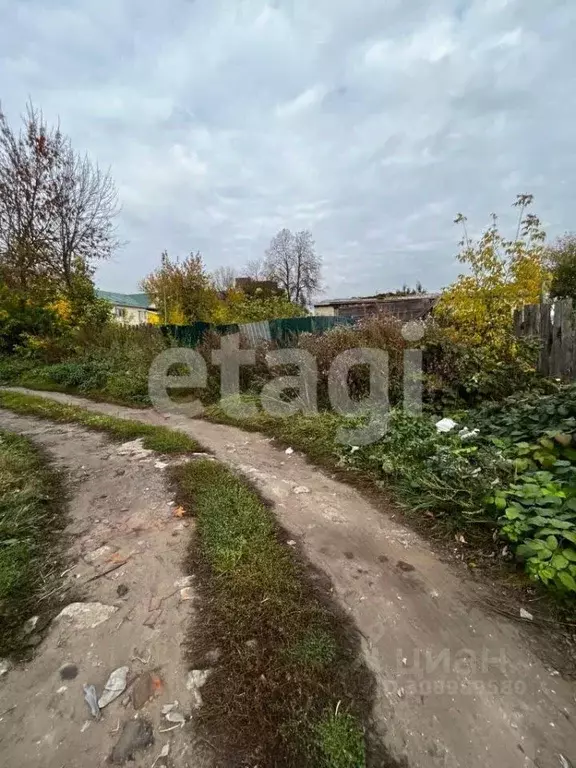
(292, 261)
(223, 278)
(56, 207)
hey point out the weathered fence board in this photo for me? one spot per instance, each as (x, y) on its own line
(554, 324)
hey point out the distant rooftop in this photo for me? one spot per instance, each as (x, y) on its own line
(375, 299)
(137, 300)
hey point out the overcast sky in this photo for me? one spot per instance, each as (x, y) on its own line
(369, 122)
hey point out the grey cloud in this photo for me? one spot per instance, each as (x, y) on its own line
(370, 123)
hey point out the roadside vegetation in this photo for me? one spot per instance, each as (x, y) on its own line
(57, 223)
(160, 439)
(504, 492)
(32, 522)
(499, 475)
(289, 688)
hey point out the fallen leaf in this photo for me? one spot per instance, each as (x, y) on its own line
(116, 558)
(179, 512)
(157, 683)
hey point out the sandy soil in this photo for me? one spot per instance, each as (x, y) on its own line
(458, 687)
(120, 511)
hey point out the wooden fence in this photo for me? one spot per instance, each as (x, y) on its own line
(555, 325)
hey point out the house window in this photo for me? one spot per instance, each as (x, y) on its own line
(120, 312)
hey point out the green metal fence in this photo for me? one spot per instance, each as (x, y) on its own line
(284, 332)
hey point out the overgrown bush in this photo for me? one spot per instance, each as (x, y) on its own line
(83, 377)
(110, 361)
(21, 321)
(525, 489)
(382, 331)
(526, 416)
(457, 374)
(12, 368)
(252, 377)
(444, 473)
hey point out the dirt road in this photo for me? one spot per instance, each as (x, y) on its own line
(457, 687)
(133, 617)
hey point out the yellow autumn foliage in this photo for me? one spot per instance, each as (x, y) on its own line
(503, 275)
(62, 308)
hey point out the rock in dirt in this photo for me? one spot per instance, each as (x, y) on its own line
(143, 690)
(86, 615)
(155, 603)
(30, 625)
(152, 618)
(5, 667)
(187, 593)
(68, 671)
(98, 554)
(91, 699)
(301, 489)
(115, 686)
(185, 581)
(136, 735)
(134, 448)
(162, 756)
(176, 717)
(195, 679)
(122, 590)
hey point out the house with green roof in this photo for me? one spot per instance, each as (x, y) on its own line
(131, 308)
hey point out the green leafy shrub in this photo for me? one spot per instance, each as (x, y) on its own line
(131, 387)
(538, 509)
(457, 374)
(431, 470)
(110, 361)
(12, 368)
(528, 415)
(82, 376)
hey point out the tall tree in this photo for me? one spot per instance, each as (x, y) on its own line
(255, 269)
(562, 259)
(224, 278)
(56, 208)
(503, 274)
(292, 261)
(182, 290)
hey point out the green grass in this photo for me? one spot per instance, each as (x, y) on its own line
(339, 742)
(289, 656)
(160, 439)
(32, 520)
(291, 688)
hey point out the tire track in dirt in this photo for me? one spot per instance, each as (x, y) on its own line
(122, 522)
(457, 686)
